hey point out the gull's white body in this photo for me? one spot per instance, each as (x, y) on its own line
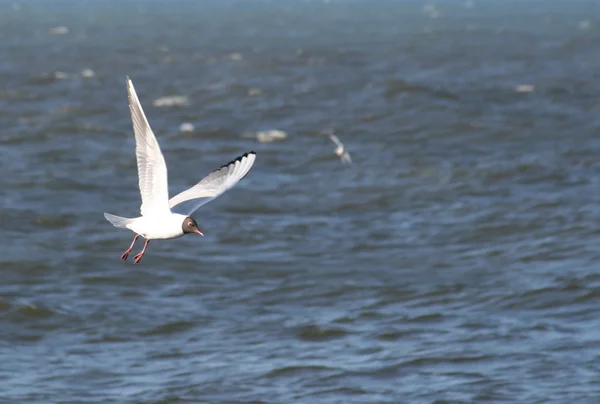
(158, 227)
(163, 218)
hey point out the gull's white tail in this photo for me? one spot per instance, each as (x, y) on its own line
(118, 221)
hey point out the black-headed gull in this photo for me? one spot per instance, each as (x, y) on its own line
(164, 218)
(339, 150)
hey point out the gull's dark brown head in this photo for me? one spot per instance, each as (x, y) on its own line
(190, 226)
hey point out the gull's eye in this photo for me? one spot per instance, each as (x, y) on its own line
(190, 224)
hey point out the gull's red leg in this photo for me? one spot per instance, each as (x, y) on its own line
(139, 256)
(126, 253)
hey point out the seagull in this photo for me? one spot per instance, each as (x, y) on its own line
(163, 218)
(339, 150)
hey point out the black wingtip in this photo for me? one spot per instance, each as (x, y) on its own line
(245, 155)
(236, 159)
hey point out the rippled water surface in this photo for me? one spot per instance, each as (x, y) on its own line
(456, 259)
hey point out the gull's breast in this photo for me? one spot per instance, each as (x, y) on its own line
(159, 227)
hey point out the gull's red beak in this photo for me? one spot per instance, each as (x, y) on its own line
(199, 232)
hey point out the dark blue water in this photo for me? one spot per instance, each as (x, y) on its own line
(455, 261)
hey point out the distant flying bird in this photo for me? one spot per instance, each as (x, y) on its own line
(339, 150)
(164, 218)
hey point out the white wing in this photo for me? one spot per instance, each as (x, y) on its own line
(335, 140)
(152, 170)
(215, 184)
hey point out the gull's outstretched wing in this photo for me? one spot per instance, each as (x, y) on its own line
(335, 140)
(216, 183)
(152, 170)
